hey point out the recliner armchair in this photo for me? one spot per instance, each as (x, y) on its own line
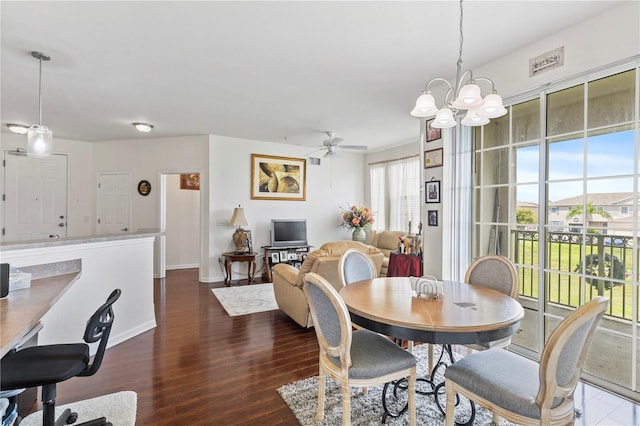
(288, 281)
(386, 241)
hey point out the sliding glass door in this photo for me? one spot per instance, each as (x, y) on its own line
(556, 190)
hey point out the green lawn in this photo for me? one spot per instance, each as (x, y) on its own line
(567, 285)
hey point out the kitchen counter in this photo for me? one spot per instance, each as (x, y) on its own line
(22, 309)
(123, 261)
(55, 242)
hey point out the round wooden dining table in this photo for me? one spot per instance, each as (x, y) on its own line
(464, 314)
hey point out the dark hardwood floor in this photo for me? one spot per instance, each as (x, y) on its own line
(201, 367)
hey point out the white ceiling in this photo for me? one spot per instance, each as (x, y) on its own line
(265, 70)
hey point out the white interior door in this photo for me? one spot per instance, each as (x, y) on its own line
(35, 197)
(114, 215)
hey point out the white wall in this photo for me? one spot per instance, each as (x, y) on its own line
(182, 225)
(332, 185)
(603, 40)
(81, 201)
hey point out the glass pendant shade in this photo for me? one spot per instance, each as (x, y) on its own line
(472, 119)
(492, 106)
(444, 119)
(469, 97)
(39, 141)
(425, 106)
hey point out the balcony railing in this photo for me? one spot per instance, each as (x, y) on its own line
(578, 268)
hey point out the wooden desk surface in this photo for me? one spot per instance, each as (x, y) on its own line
(465, 314)
(21, 310)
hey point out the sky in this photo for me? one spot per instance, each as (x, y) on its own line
(609, 165)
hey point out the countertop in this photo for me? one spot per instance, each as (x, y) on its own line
(54, 242)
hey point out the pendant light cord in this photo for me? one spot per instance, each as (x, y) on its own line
(459, 63)
(40, 94)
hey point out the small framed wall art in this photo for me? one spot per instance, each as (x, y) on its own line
(190, 181)
(433, 158)
(432, 216)
(432, 191)
(432, 134)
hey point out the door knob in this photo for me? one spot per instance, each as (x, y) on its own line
(61, 224)
(125, 229)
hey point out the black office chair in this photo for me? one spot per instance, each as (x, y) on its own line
(50, 364)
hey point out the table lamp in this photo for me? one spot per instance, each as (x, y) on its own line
(239, 237)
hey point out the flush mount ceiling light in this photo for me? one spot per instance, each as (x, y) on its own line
(39, 137)
(20, 129)
(143, 127)
(465, 94)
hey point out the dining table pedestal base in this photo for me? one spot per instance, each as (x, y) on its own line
(391, 393)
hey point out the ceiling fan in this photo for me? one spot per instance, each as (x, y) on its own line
(332, 144)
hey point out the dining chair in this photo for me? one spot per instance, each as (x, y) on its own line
(521, 390)
(498, 273)
(355, 266)
(359, 358)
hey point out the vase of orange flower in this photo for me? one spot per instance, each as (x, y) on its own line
(357, 218)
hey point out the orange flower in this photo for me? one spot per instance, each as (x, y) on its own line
(357, 217)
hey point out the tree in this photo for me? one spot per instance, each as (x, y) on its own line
(526, 216)
(591, 210)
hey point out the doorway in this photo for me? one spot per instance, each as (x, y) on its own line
(180, 201)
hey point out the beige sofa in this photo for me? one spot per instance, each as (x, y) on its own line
(386, 241)
(287, 280)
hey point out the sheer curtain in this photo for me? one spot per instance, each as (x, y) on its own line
(395, 194)
(457, 206)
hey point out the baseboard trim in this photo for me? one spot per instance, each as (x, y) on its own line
(189, 266)
(133, 332)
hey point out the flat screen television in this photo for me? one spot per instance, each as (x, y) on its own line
(288, 232)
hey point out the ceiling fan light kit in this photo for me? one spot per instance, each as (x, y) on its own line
(333, 143)
(464, 94)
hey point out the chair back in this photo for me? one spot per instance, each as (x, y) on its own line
(564, 353)
(495, 272)
(355, 266)
(98, 329)
(331, 319)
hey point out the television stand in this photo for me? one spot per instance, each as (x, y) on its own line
(294, 255)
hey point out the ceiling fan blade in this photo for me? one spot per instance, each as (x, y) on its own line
(314, 151)
(336, 141)
(363, 147)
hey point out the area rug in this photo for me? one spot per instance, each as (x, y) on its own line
(366, 409)
(119, 409)
(246, 299)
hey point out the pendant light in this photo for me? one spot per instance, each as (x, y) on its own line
(464, 94)
(39, 137)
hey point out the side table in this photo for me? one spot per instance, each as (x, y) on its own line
(404, 265)
(232, 256)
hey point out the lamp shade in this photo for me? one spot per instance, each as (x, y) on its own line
(492, 106)
(39, 141)
(425, 106)
(444, 119)
(469, 97)
(238, 219)
(472, 119)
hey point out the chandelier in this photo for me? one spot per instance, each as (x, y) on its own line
(465, 94)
